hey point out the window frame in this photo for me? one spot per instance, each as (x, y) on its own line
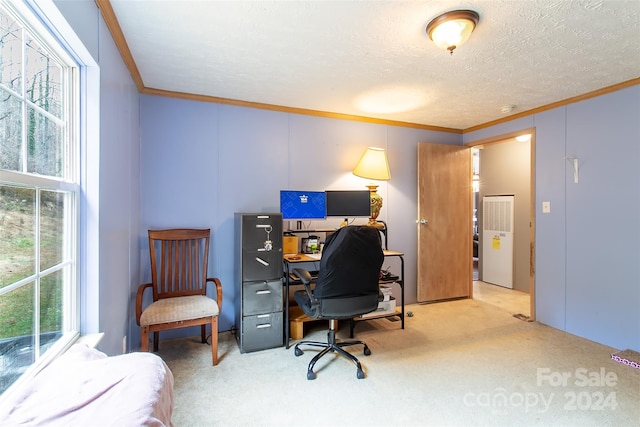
(43, 17)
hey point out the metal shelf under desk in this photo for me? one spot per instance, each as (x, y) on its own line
(382, 227)
(398, 312)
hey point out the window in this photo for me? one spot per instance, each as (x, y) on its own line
(39, 194)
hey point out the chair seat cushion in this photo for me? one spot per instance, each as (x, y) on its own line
(336, 308)
(180, 308)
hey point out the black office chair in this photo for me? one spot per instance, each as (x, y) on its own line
(346, 287)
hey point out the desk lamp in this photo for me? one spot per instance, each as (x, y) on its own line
(373, 165)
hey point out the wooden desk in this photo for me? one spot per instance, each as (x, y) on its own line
(300, 258)
(290, 260)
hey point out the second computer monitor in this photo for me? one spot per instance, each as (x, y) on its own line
(348, 203)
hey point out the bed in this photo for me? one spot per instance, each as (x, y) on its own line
(84, 387)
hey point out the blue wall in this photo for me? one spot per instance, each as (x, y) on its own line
(588, 247)
(113, 172)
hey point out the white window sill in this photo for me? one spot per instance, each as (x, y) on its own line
(91, 340)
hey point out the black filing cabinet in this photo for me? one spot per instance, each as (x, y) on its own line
(259, 316)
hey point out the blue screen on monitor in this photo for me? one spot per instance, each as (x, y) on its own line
(303, 204)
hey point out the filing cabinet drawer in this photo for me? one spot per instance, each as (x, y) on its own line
(261, 297)
(261, 243)
(256, 228)
(261, 264)
(262, 331)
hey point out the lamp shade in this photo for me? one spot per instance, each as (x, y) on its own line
(373, 165)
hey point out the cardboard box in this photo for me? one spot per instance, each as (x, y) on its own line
(289, 245)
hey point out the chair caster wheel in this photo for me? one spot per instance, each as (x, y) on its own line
(297, 351)
(360, 374)
(311, 375)
(367, 352)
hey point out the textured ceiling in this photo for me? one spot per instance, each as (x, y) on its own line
(374, 59)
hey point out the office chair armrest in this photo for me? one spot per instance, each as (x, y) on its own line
(139, 295)
(218, 286)
(303, 275)
(306, 279)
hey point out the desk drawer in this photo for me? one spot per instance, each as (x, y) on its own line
(261, 331)
(261, 297)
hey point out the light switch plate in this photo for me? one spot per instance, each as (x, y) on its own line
(546, 207)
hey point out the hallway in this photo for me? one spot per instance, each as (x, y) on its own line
(513, 301)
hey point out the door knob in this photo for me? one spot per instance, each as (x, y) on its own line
(423, 221)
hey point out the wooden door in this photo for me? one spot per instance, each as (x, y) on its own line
(445, 269)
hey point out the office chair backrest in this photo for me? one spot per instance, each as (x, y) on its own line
(179, 260)
(350, 263)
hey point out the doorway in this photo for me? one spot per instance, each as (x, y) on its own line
(504, 166)
(475, 188)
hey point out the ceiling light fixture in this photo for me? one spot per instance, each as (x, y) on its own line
(451, 29)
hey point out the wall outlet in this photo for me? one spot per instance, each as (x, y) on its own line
(124, 344)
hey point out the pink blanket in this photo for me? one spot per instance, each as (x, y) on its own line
(84, 387)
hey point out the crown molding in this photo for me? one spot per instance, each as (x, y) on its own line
(562, 103)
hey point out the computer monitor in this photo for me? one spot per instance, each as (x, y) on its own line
(350, 203)
(303, 205)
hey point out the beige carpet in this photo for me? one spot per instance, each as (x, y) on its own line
(458, 363)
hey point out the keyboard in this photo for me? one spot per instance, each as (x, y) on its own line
(314, 256)
(314, 275)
